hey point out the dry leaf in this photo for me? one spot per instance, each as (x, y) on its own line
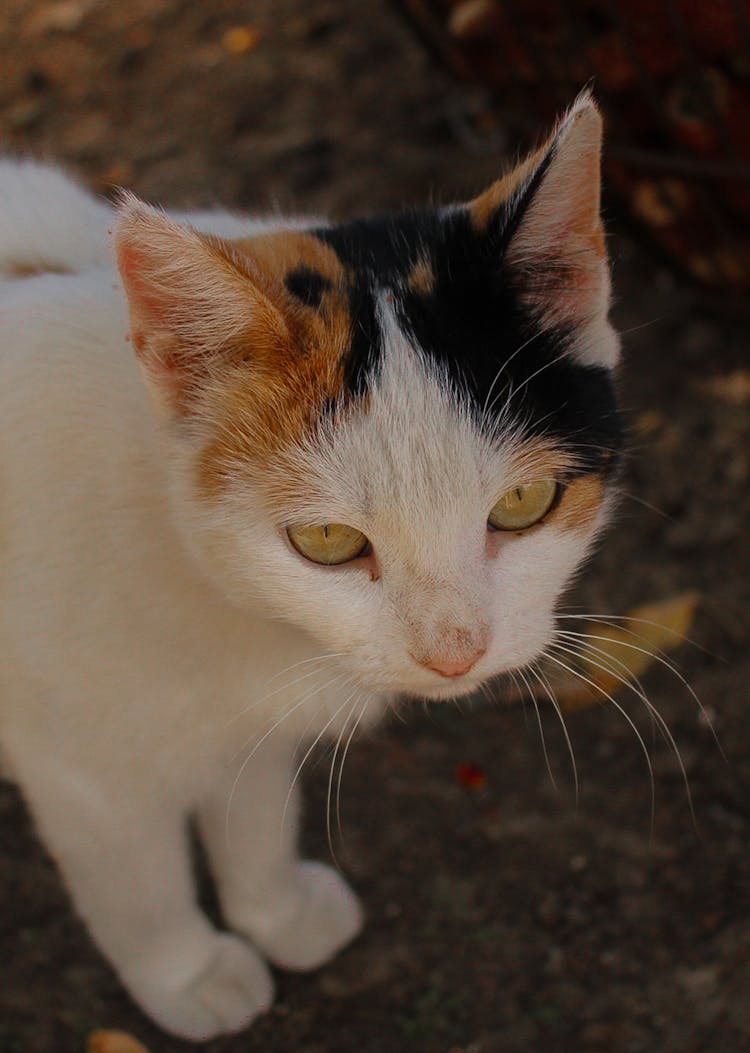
(64, 16)
(472, 19)
(623, 652)
(730, 387)
(660, 203)
(119, 174)
(240, 39)
(113, 1042)
(648, 423)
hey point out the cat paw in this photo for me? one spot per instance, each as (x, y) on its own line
(227, 994)
(324, 917)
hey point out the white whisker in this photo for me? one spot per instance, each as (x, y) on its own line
(288, 712)
(544, 681)
(540, 726)
(348, 743)
(331, 773)
(501, 370)
(624, 714)
(258, 745)
(656, 656)
(312, 746)
(650, 708)
(283, 687)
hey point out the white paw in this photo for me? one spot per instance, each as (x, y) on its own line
(322, 917)
(228, 993)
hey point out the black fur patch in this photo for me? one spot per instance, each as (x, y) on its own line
(474, 326)
(363, 357)
(307, 285)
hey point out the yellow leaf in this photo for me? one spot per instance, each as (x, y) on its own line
(612, 654)
(240, 39)
(648, 423)
(113, 1042)
(731, 387)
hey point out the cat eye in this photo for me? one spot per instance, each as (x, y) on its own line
(523, 506)
(328, 543)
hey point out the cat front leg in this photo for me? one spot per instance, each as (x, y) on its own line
(125, 859)
(298, 912)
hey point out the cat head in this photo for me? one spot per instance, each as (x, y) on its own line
(398, 432)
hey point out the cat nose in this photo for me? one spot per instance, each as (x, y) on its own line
(448, 668)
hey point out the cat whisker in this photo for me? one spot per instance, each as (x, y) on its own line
(307, 661)
(288, 712)
(365, 704)
(656, 656)
(547, 365)
(282, 687)
(645, 504)
(310, 749)
(265, 736)
(633, 685)
(643, 325)
(512, 674)
(544, 681)
(614, 619)
(540, 725)
(257, 702)
(485, 411)
(331, 773)
(623, 712)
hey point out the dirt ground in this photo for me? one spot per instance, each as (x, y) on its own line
(503, 918)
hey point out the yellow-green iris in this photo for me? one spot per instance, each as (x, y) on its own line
(328, 543)
(523, 506)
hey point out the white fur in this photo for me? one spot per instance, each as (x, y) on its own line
(47, 222)
(161, 655)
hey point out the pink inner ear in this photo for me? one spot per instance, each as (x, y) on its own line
(145, 305)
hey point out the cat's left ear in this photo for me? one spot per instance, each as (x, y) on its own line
(546, 217)
(196, 306)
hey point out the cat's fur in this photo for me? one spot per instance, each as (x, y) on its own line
(163, 648)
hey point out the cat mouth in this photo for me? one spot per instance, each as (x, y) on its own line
(456, 687)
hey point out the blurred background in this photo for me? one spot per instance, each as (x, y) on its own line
(504, 916)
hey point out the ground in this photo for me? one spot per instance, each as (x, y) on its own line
(504, 918)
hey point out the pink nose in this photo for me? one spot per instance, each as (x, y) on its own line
(447, 668)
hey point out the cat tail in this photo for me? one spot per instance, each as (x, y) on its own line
(48, 224)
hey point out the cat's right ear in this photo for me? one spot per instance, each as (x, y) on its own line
(194, 304)
(544, 217)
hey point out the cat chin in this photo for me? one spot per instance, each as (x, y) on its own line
(444, 693)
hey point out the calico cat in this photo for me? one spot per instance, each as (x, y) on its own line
(360, 462)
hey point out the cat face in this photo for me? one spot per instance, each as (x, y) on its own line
(398, 433)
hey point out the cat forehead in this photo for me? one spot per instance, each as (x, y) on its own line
(453, 294)
(430, 282)
(413, 452)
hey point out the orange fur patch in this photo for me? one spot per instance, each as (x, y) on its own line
(275, 400)
(422, 278)
(280, 252)
(579, 503)
(484, 208)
